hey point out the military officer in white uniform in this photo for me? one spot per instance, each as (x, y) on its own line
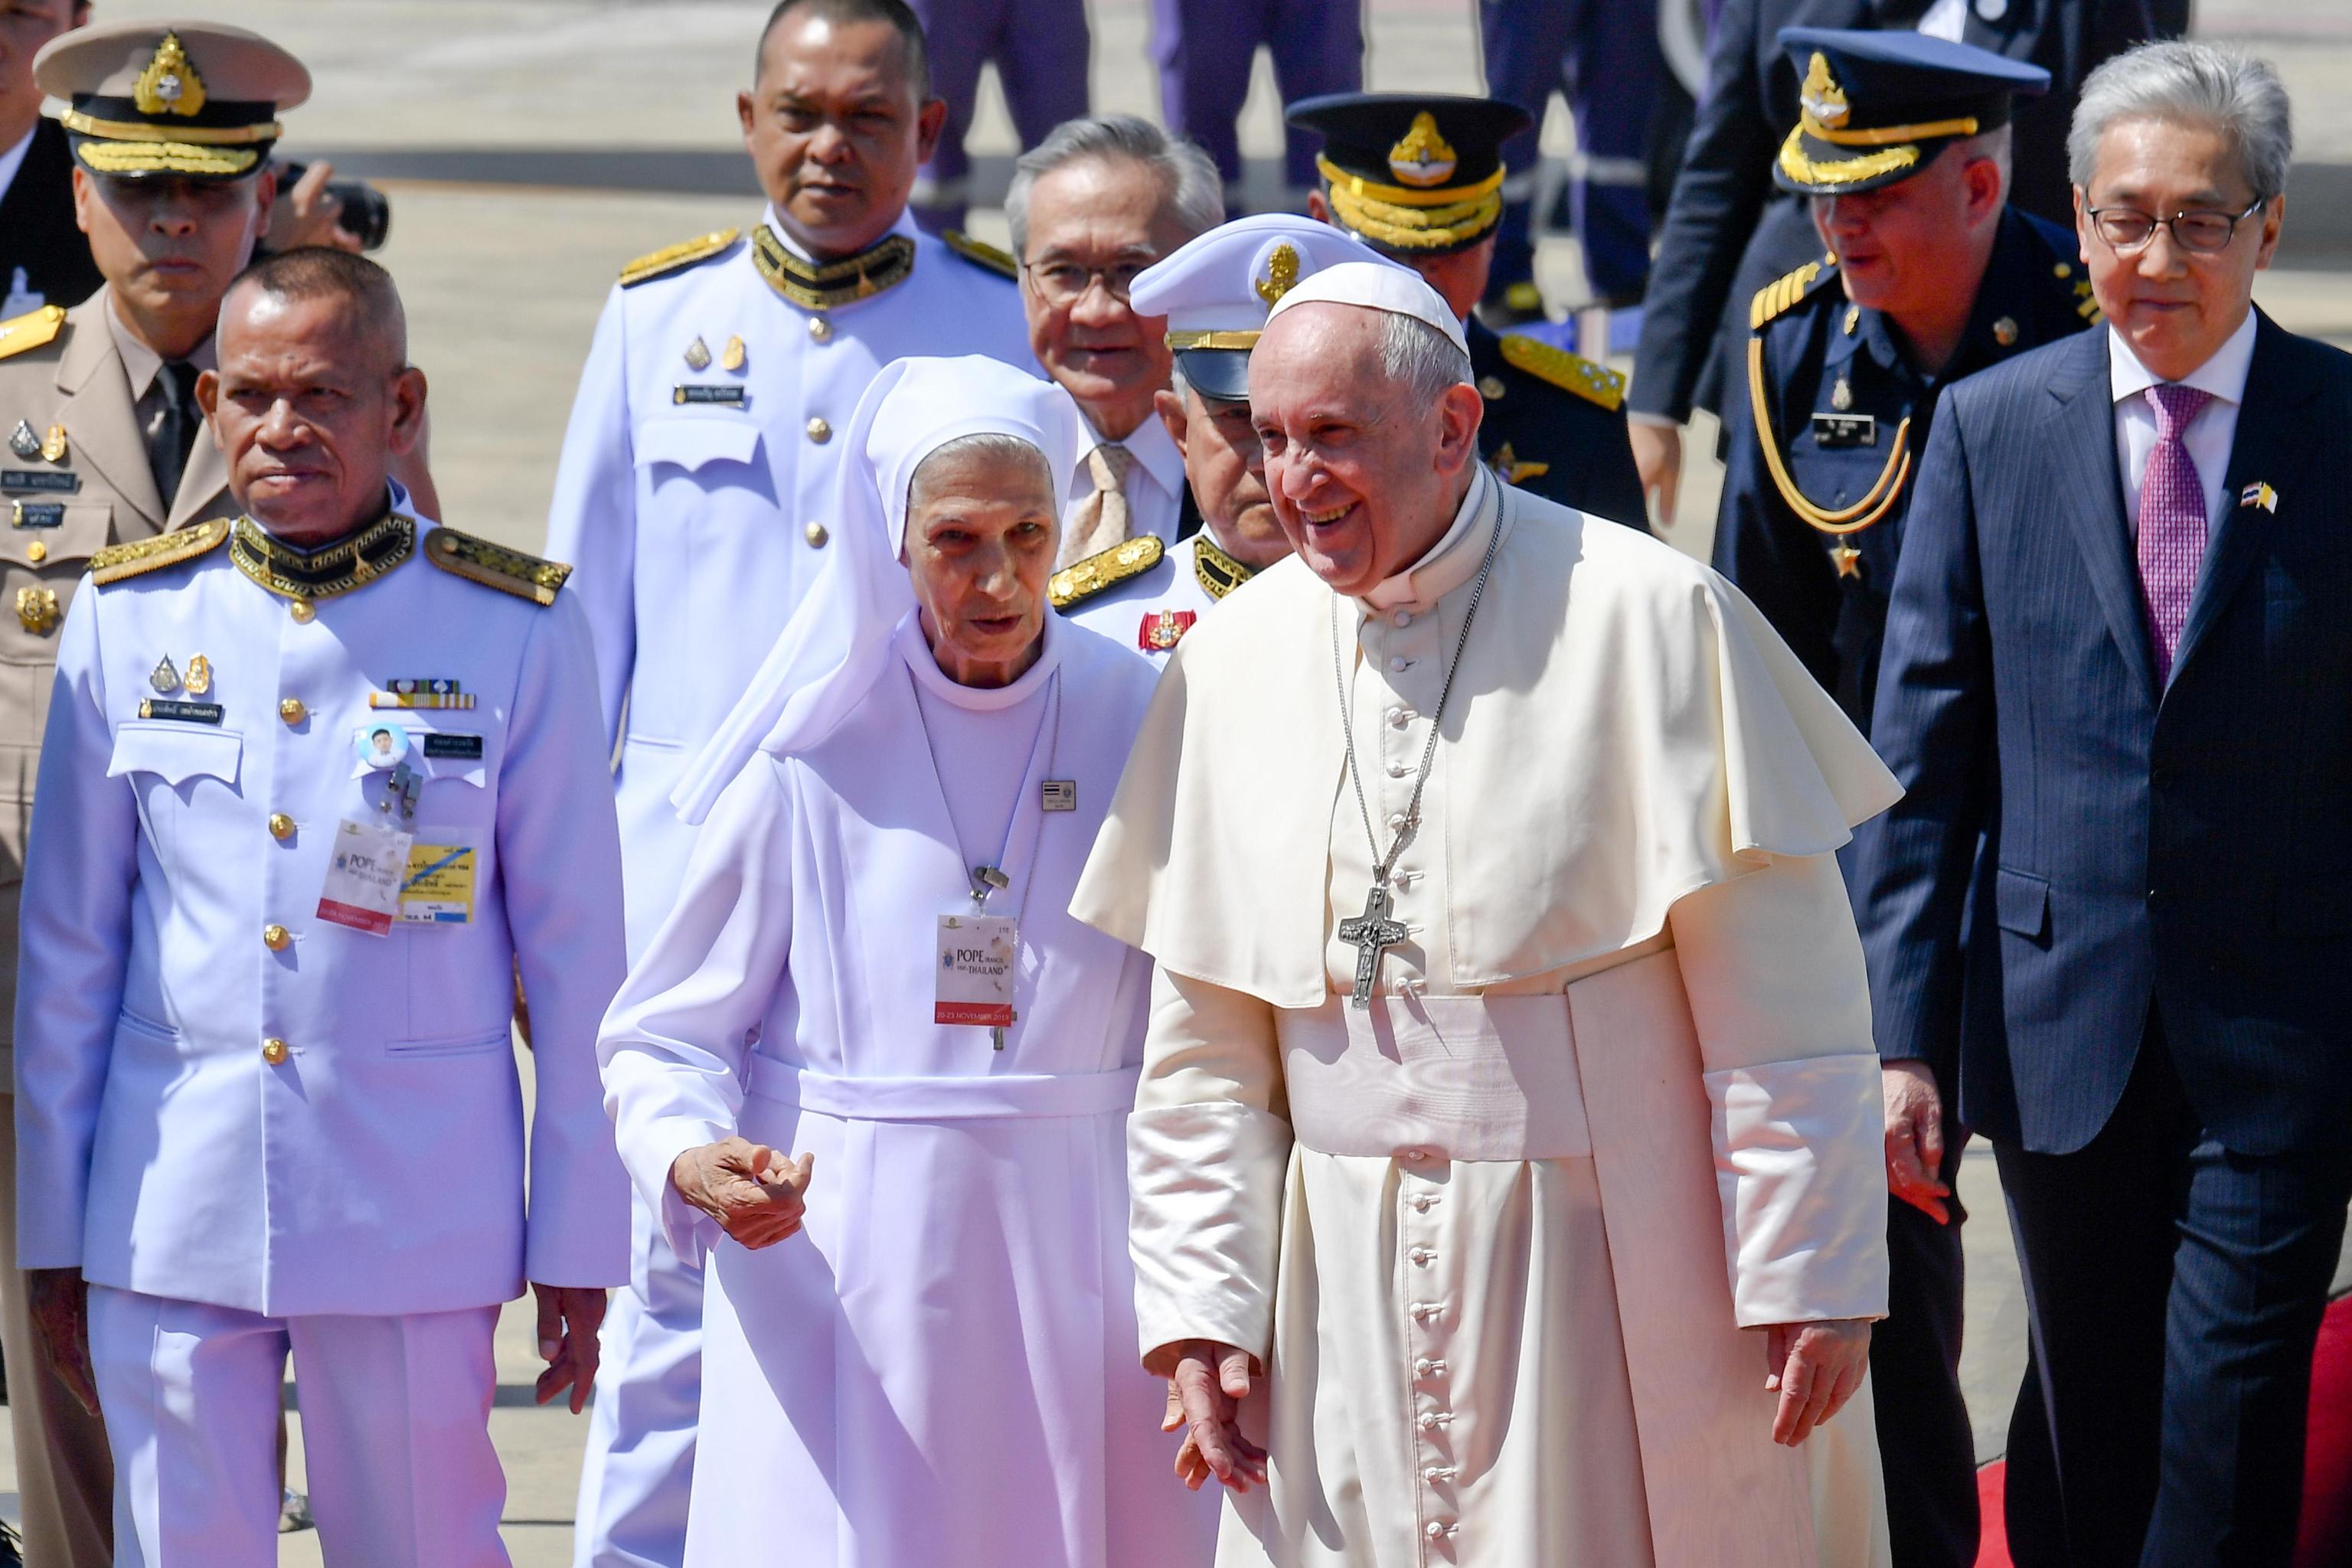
(695, 500)
(315, 785)
(1215, 292)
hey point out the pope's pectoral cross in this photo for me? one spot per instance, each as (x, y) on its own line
(1372, 933)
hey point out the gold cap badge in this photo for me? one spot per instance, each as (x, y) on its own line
(1422, 158)
(1823, 100)
(1279, 274)
(170, 84)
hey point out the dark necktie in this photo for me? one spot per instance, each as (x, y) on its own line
(2172, 521)
(175, 431)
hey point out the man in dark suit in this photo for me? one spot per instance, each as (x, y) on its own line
(1728, 233)
(2117, 654)
(1903, 150)
(43, 259)
(1419, 177)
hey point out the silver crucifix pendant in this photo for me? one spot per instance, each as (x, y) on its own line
(1371, 933)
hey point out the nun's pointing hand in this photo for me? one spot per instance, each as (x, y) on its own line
(753, 1191)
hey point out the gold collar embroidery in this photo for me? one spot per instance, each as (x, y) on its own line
(1219, 573)
(825, 286)
(351, 561)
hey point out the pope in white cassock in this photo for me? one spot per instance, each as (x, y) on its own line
(872, 962)
(1506, 1168)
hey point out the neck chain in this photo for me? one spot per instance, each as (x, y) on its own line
(1373, 931)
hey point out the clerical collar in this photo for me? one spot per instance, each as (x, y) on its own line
(815, 285)
(1454, 559)
(355, 559)
(1219, 573)
(916, 649)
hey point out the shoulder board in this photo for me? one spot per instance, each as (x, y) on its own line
(1776, 298)
(1571, 372)
(496, 566)
(32, 330)
(140, 556)
(1081, 580)
(671, 257)
(980, 253)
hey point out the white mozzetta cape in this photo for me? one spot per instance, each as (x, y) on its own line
(1497, 1240)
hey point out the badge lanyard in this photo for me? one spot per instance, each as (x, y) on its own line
(982, 986)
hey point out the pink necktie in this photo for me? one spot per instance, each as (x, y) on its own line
(2172, 522)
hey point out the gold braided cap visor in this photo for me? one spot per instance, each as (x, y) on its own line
(1242, 341)
(1397, 227)
(165, 158)
(192, 136)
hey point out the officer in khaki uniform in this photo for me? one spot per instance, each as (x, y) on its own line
(170, 127)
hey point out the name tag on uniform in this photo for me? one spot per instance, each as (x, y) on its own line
(1845, 430)
(364, 875)
(183, 712)
(458, 747)
(37, 514)
(439, 887)
(974, 971)
(40, 480)
(727, 397)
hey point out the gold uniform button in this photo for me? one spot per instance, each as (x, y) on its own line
(274, 1052)
(820, 330)
(281, 826)
(1491, 387)
(817, 534)
(819, 431)
(36, 552)
(291, 710)
(275, 937)
(2063, 269)
(301, 611)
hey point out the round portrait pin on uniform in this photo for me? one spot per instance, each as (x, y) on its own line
(382, 745)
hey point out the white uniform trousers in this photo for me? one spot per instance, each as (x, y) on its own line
(639, 1471)
(395, 1433)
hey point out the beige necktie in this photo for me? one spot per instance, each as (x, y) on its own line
(1102, 518)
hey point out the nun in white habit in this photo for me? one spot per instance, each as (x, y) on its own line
(919, 1345)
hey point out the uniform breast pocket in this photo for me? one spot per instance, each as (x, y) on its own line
(455, 768)
(188, 781)
(43, 551)
(703, 466)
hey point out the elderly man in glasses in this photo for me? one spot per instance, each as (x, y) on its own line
(1091, 206)
(2116, 658)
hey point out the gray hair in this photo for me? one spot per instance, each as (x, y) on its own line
(1420, 358)
(2236, 94)
(989, 444)
(1188, 180)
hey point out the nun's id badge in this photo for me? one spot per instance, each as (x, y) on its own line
(364, 875)
(974, 972)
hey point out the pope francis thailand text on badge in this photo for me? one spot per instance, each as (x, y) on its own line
(977, 956)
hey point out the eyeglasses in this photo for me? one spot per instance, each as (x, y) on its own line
(2128, 228)
(1063, 283)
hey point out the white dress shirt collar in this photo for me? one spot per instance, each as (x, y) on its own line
(2224, 374)
(1153, 448)
(140, 362)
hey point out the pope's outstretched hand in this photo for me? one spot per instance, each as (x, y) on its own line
(753, 1191)
(1815, 1369)
(1205, 1390)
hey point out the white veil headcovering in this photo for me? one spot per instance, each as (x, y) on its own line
(837, 643)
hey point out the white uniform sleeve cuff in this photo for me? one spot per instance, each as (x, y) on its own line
(1800, 1162)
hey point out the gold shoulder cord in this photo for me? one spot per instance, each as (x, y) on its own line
(1850, 520)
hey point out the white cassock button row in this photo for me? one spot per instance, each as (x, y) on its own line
(1424, 1310)
(1396, 822)
(1398, 661)
(1405, 617)
(1422, 1255)
(1401, 717)
(1437, 1530)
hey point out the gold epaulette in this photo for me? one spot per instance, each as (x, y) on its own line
(1570, 373)
(116, 562)
(496, 566)
(1775, 297)
(1081, 580)
(980, 253)
(32, 330)
(671, 258)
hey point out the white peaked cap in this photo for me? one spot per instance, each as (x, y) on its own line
(1228, 278)
(1376, 286)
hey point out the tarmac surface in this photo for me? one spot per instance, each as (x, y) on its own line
(529, 147)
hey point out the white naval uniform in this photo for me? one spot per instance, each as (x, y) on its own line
(1130, 612)
(940, 1369)
(249, 1126)
(694, 530)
